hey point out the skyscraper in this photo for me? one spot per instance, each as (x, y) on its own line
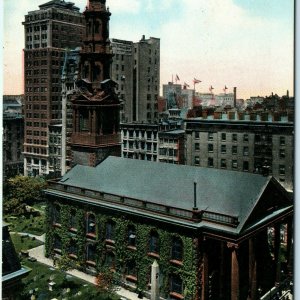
(49, 31)
(136, 69)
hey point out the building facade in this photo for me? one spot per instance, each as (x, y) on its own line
(171, 146)
(140, 140)
(146, 76)
(263, 147)
(136, 69)
(122, 74)
(57, 25)
(13, 137)
(204, 244)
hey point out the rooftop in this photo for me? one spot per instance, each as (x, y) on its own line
(226, 197)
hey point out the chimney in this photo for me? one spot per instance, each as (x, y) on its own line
(234, 97)
(287, 93)
(197, 214)
(195, 196)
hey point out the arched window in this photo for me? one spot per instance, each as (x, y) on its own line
(83, 120)
(97, 26)
(73, 224)
(57, 243)
(110, 260)
(56, 214)
(131, 268)
(91, 224)
(177, 249)
(175, 284)
(131, 236)
(154, 242)
(72, 249)
(91, 253)
(96, 72)
(86, 70)
(110, 230)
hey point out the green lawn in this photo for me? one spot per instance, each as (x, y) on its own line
(34, 225)
(65, 287)
(24, 242)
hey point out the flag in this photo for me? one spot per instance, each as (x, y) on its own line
(185, 84)
(177, 78)
(225, 88)
(196, 81)
(211, 88)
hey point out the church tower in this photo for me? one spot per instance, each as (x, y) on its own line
(96, 55)
(96, 106)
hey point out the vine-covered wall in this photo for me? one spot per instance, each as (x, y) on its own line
(187, 270)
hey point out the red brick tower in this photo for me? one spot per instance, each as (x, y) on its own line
(96, 106)
(96, 55)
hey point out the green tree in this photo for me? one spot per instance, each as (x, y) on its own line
(106, 282)
(20, 191)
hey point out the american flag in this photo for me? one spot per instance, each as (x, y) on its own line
(225, 89)
(177, 77)
(211, 88)
(196, 80)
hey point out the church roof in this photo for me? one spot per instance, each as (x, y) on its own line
(222, 192)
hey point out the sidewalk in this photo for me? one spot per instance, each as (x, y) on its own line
(38, 253)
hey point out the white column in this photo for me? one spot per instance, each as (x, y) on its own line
(155, 281)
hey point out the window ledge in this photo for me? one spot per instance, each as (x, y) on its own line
(91, 263)
(56, 225)
(131, 248)
(152, 254)
(131, 278)
(56, 250)
(176, 262)
(73, 256)
(176, 295)
(72, 229)
(108, 241)
(91, 236)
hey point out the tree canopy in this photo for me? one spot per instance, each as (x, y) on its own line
(20, 191)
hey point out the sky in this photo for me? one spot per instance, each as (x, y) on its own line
(248, 44)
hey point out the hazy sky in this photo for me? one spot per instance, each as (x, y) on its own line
(244, 43)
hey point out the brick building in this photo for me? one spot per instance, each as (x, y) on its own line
(206, 229)
(254, 146)
(57, 25)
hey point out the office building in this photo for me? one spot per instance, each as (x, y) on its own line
(242, 142)
(140, 140)
(56, 26)
(136, 69)
(13, 136)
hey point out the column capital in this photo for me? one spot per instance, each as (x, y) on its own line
(232, 246)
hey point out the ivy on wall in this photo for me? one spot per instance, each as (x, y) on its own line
(187, 271)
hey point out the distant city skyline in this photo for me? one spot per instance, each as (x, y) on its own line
(247, 44)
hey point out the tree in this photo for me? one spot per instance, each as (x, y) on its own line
(107, 281)
(20, 191)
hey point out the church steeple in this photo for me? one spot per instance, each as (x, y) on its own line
(96, 106)
(96, 54)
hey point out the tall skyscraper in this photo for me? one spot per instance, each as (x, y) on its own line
(136, 69)
(96, 107)
(146, 78)
(49, 31)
